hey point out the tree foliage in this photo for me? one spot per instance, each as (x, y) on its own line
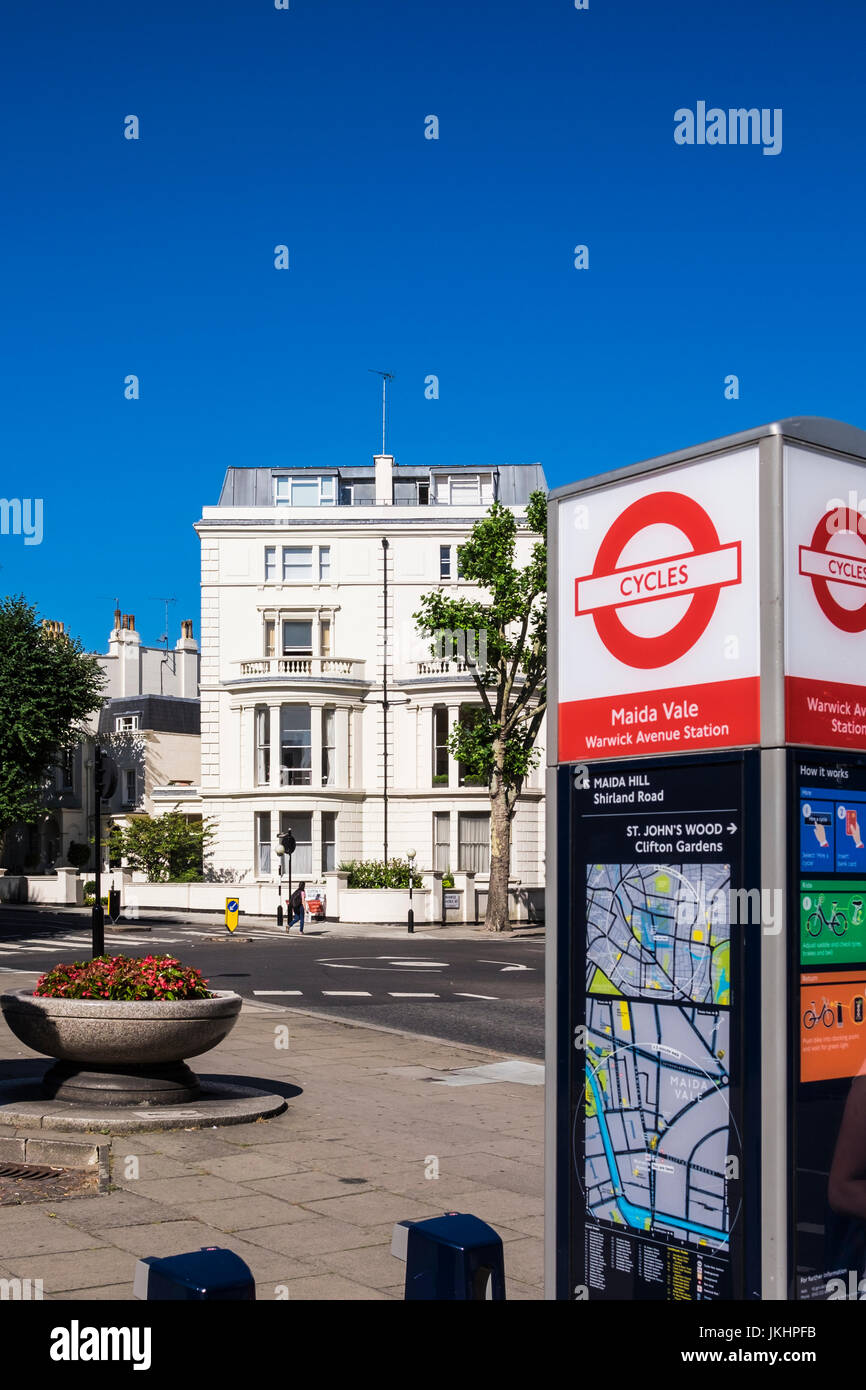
(167, 848)
(504, 645)
(496, 741)
(49, 686)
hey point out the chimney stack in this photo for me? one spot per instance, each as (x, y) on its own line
(384, 465)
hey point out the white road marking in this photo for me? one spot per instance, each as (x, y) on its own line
(54, 941)
(401, 995)
(503, 968)
(277, 991)
(345, 993)
(420, 964)
(460, 995)
(9, 949)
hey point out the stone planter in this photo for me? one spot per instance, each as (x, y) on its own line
(118, 1051)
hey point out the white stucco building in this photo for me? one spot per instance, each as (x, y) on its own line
(310, 578)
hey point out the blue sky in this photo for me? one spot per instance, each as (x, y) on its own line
(451, 257)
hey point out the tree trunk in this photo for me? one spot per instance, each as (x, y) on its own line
(496, 918)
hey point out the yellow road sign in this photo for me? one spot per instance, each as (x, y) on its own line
(232, 913)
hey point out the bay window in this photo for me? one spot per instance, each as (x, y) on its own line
(295, 746)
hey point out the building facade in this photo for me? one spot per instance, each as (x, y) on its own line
(323, 710)
(149, 724)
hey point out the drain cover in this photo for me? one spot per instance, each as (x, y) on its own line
(27, 1170)
(32, 1182)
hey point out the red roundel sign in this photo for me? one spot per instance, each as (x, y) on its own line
(699, 573)
(825, 567)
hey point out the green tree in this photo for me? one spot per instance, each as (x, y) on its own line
(496, 741)
(167, 848)
(49, 686)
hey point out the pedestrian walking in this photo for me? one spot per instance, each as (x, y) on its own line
(297, 907)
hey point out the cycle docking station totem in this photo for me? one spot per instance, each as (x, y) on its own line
(706, 803)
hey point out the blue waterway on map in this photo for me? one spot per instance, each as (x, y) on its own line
(634, 1215)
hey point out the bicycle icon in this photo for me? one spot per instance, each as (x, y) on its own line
(816, 921)
(827, 1016)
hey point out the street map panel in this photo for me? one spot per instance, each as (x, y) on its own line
(659, 932)
(657, 1134)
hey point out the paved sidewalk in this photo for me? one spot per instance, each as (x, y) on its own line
(153, 917)
(309, 1198)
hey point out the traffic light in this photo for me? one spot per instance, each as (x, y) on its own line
(105, 775)
(288, 842)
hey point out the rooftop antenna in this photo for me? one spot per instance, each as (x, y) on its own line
(386, 377)
(161, 598)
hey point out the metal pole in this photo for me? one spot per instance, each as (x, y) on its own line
(97, 919)
(384, 380)
(411, 924)
(280, 892)
(385, 691)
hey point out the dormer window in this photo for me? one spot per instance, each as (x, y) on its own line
(464, 489)
(307, 491)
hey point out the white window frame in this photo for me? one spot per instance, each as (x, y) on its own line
(298, 550)
(262, 745)
(324, 564)
(288, 820)
(307, 648)
(263, 860)
(464, 846)
(439, 711)
(284, 486)
(326, 868)
(445, 556)
(270, 563)
(302, 774)
(462, 481)
(122, 727)
(440, 819)
(329, 746)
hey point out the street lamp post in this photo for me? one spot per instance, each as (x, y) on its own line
(410, 855)
(279, 849)
(287, 845)
(104, 787)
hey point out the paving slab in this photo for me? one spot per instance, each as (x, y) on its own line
(371, 1208)
(120, 1208)
(246, 1212)
(192, 1187)
(78, 1269)
(300, 1188)
(332, 1287)
(310, 1238)
(177, 1237)
(42, 1236)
